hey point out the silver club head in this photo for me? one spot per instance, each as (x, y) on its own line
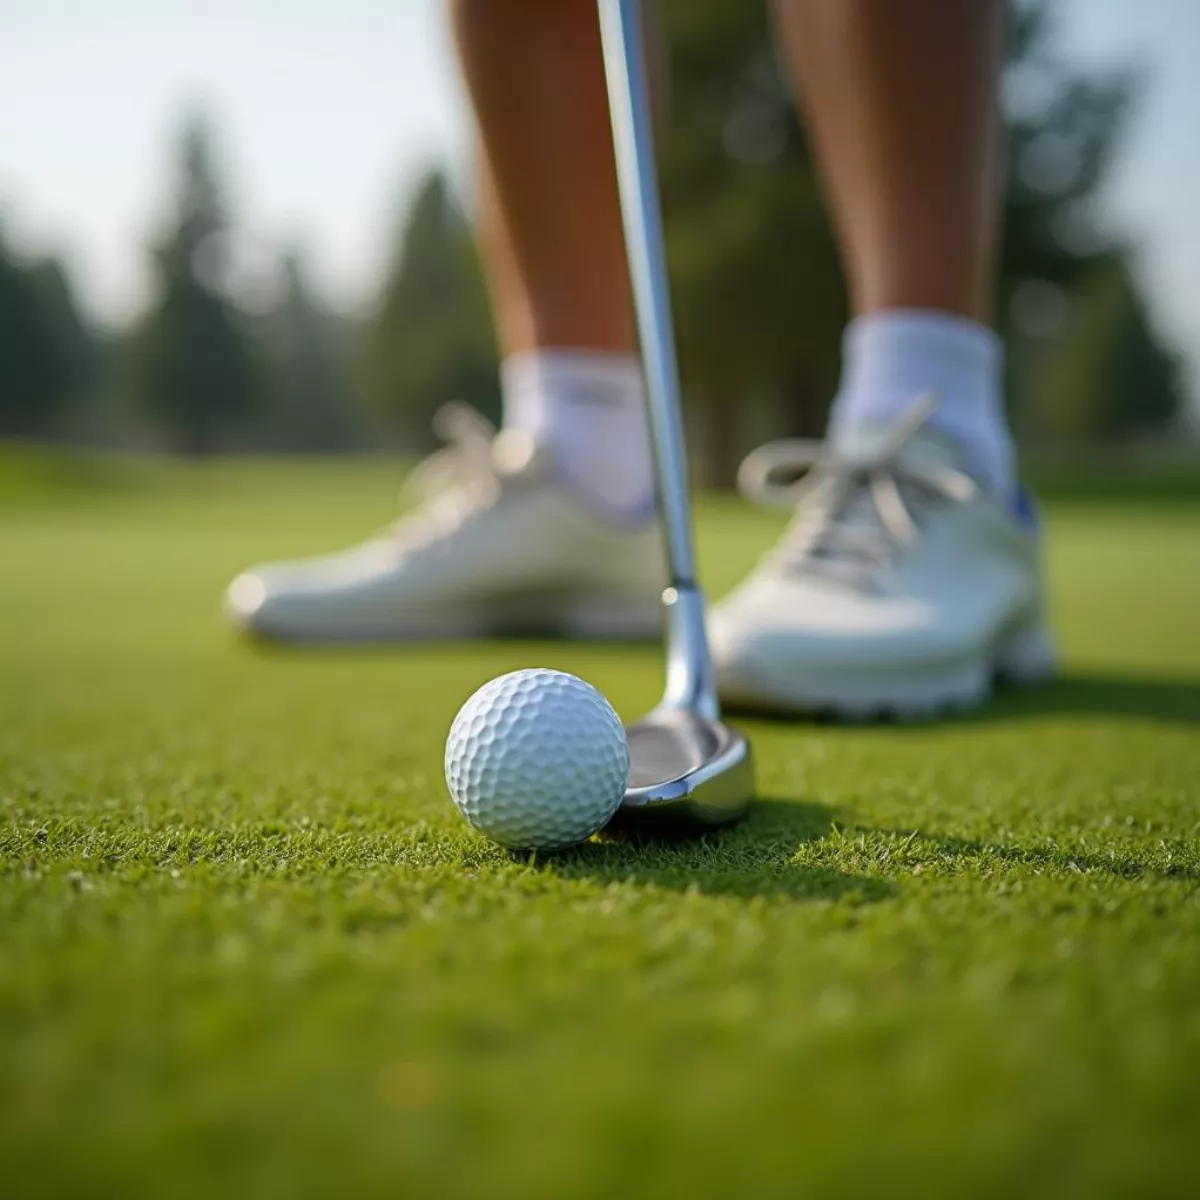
(687, 773)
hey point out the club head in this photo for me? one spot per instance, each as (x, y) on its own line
(687, 773)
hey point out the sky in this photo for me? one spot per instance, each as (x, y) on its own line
(326, 116)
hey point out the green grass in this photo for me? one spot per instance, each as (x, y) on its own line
(248, 948)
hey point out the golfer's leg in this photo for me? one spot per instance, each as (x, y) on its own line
(897, 590)
(567, 544)
(900, 101)
(549, 219)
(549, 227)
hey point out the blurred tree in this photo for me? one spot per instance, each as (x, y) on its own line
(48, 358)
(193, 372)
(431, 338)
(756, 283)
(303, 344)
(1062, 130)
(1108, 374)
(757, 287)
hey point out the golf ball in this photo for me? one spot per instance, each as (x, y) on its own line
(537, 760)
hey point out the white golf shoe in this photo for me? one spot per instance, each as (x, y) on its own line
(496, 547)
(900, 587)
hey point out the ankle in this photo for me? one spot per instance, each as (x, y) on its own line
(892, 357)
(589, 408)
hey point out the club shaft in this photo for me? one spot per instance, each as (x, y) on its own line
(623, 35)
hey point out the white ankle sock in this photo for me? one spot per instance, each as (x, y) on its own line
(589, 407)
(891, 358)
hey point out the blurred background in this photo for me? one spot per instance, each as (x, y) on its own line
(222, 231)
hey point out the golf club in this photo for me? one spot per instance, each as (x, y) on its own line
(687, 768)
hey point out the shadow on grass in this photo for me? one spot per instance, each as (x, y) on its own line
(1176, 700)
(754, 858)
(757, 858)
(1050, 857)
(1107, 695)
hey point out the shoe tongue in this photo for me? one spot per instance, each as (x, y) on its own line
(514, 452)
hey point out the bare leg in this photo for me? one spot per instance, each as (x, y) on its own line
(900, 98)
(549, 216)
(550, 233)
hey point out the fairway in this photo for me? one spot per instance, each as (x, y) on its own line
(247, 946)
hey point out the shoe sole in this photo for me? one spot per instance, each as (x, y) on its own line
(1024, 656)
(585, 620)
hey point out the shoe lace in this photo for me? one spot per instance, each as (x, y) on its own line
(451, 485)
(465, 457)
(854, 509)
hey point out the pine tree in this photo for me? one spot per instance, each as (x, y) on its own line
(194, 374)
(311, 408)
(48, 357)
(431, 338)
(1108, 375)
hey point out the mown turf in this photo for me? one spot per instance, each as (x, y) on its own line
(248, 948)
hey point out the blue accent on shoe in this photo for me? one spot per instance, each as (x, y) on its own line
(1025, 511)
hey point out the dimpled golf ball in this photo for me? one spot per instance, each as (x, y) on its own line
(537, 760)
